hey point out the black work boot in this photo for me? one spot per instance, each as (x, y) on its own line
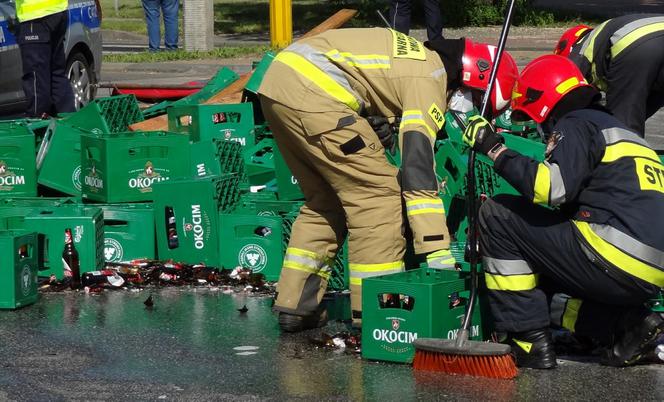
(635, 338)
(533, 349)
(296, 323)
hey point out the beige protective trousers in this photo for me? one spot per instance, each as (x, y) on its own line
(350, 188)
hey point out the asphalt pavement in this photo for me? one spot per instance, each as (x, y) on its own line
(194, 345)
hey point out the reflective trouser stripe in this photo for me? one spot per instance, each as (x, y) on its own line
(505, 267)
(415, 118)
(361, 271)
(363, 61)
(633, 36)
(620, 259)
(565, 310)
(320, 78)
(425, 206)
(513, 283)
(571, 313)
(307, 261)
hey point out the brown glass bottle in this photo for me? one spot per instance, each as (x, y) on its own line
(70, 261)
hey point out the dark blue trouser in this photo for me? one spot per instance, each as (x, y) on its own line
(400, 17)
(45, 81)
(170, 10)
(519, 239)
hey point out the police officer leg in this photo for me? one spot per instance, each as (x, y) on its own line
(33, 40)
(433, 19)
(400, 11)
(61, 91)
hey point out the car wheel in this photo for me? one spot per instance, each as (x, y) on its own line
(82, 79)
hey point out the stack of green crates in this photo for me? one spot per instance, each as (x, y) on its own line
(59, 156)
(18, 173)
(18, 269)
(421, 303)
(195, 205)
(123, 167)
(128, 231)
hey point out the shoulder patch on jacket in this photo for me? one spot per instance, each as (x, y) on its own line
(552, 142)
(406, 47)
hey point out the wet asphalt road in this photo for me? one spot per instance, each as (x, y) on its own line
(193, 346)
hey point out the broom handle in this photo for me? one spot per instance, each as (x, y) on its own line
(471, 242)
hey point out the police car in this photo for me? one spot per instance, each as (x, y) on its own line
(82, 48)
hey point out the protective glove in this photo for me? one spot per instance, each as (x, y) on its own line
(441, 259)
(383, 129)
(480, 136)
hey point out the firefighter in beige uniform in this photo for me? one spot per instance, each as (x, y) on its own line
(315, 96)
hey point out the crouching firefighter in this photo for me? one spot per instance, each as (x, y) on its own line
(316, 96)
(601, 243)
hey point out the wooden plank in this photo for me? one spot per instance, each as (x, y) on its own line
(233, 92)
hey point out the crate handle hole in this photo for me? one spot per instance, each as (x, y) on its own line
(115, 222)
(396, 300)
(24, 251)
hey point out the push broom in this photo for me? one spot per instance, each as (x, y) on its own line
(461, 355)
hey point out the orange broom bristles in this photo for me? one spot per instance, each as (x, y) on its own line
(492, 366)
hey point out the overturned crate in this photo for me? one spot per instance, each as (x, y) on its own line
(129, 232)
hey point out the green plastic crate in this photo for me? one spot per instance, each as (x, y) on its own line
(87, 225)
(265, 203)
(216, 157)
(287, 186)
(259, 162)
(259, 72)
(196, 204)
(233, 122)
(107, 115)
(59, 158)
(18, 172)
(129, 232)
(252, 241)
(429, 312)
(123, 167)
(18, 269)
(340, 277)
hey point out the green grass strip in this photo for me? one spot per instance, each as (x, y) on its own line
(224, 52)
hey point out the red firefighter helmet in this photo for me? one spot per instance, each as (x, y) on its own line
(570, 38)
(543, 83)
(477, 62)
